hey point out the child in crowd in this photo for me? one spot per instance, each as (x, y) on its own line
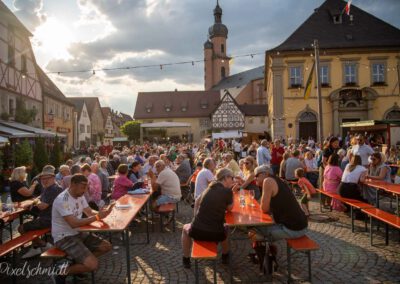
(306, 187)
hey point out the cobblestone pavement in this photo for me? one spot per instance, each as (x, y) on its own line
(344, 257)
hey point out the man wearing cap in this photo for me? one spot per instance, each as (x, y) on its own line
(263, 154)
(43, 205)
(278, 200)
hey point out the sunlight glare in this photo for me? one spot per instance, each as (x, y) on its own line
(54, 38)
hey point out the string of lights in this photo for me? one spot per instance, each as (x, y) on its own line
(192, 62)
(161, 66)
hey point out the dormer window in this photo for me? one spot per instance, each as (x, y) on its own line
(184, 106)
(168, 107)
(337, 19)
(149, 107)
(204, 104)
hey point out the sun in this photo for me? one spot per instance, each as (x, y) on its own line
(53, 39)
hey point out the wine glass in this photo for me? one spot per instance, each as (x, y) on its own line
(252, 194)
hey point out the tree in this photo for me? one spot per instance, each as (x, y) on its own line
(56, 154)
(22, 114)
(23, 154)
(132, 130)
(40, 157)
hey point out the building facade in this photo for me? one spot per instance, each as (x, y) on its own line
(193, 107)
(83, 124)
(108, 126)
(57, 110)
(358, 73)
(19, 80)
(96, 119)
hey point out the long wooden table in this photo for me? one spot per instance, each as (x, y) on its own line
(119, 220)
(247, 215)
(386, 186)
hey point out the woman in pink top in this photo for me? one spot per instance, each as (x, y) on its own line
(332, 177)
(94, 191)
(122, 183)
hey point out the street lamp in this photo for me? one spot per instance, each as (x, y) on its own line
(50, 115)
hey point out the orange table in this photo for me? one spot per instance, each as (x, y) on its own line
(386, 186)
(119, 220)
(19, 207)
(247, 215)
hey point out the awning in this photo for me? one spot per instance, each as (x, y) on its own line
(3, 139)
(40, 132)
(15, 133)
(120, 139)
(165, 124)
(227, 134)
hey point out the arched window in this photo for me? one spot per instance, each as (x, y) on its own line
(222, 72)
(393, 115)
(308, 116)
(222, 48)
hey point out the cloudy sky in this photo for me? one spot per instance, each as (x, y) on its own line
(95, 34)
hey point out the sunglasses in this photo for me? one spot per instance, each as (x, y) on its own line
(248, 163)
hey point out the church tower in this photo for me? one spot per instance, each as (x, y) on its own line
(216, 62)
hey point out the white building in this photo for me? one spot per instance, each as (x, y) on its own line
(108, 126)
(83, 123)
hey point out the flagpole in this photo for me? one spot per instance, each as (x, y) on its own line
(320, 121)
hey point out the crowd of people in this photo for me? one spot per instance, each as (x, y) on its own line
(77, 192)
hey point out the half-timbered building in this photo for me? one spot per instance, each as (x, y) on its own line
(18, 76)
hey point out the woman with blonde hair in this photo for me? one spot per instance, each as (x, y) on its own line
(249, 182)
(18, 186)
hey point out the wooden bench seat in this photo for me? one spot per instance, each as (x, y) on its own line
(162, 210)
(20, 241)
(304, 245)
(165, 208)
(353, 203)
(204, 250)
(53, 253)
(12, 245)
(386, 217)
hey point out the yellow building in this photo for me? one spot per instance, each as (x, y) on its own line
(359, 61)
(57, 110)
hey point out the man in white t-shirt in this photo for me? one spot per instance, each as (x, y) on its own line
(167, 183)
(67, 211)
(363, 150)
(205, 177)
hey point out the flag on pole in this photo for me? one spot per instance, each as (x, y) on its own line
(307, 90)
(347, 8)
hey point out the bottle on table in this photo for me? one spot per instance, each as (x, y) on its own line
(9, 204)
(242, 199)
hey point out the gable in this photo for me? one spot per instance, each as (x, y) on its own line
(362, 30)
(227, 115)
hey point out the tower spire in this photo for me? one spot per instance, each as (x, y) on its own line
(218, 13)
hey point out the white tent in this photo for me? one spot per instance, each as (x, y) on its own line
(227, 134)
(165, 124)
(3, 140)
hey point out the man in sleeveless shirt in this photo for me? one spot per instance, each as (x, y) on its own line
(278, 200)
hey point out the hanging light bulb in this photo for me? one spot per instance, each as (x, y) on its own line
(94, 72)
(160, 66)
(192, 63)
